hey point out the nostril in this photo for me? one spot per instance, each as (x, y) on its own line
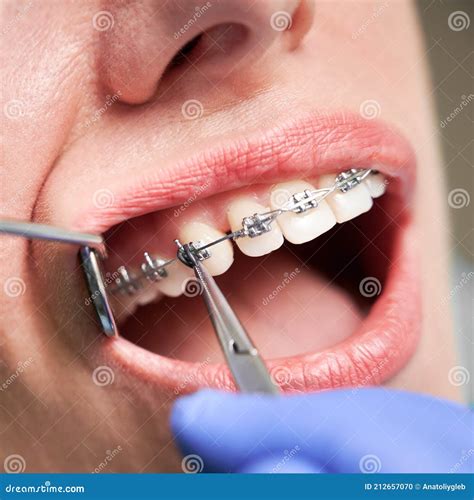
(222, 41)
(184, 53)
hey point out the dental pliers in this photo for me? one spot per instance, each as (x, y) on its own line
(242, 357)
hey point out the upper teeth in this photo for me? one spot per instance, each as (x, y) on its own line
(298, 212)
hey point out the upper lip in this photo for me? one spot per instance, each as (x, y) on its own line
(310, 146)
(306, 147)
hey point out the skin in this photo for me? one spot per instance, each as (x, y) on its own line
(61, 69)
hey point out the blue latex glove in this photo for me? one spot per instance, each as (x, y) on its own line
(350, 430)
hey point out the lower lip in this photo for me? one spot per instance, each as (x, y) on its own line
(385, 342)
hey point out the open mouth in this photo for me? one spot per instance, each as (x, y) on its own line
(329, 296)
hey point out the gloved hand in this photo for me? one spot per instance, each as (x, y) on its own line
(345, 430)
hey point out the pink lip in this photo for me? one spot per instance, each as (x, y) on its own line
(312, 146)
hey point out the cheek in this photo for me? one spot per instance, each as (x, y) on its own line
(44, 77)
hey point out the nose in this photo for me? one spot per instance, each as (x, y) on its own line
(138, 42)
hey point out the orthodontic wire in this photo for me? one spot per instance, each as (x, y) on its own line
(129, 282)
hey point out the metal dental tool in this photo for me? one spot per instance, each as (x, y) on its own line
(243, 359)
(91, 253)
(32, 230)
(240, 353)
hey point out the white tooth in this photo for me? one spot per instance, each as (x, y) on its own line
(222, 254)
(300, 228)
(347, 205)
(260, 245)
(148, 294)
(376, 184)
(178, 274)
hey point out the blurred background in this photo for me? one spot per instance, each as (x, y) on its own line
(449, 34)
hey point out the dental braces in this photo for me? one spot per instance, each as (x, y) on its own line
(130, 282)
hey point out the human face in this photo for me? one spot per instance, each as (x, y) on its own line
(110, 126)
